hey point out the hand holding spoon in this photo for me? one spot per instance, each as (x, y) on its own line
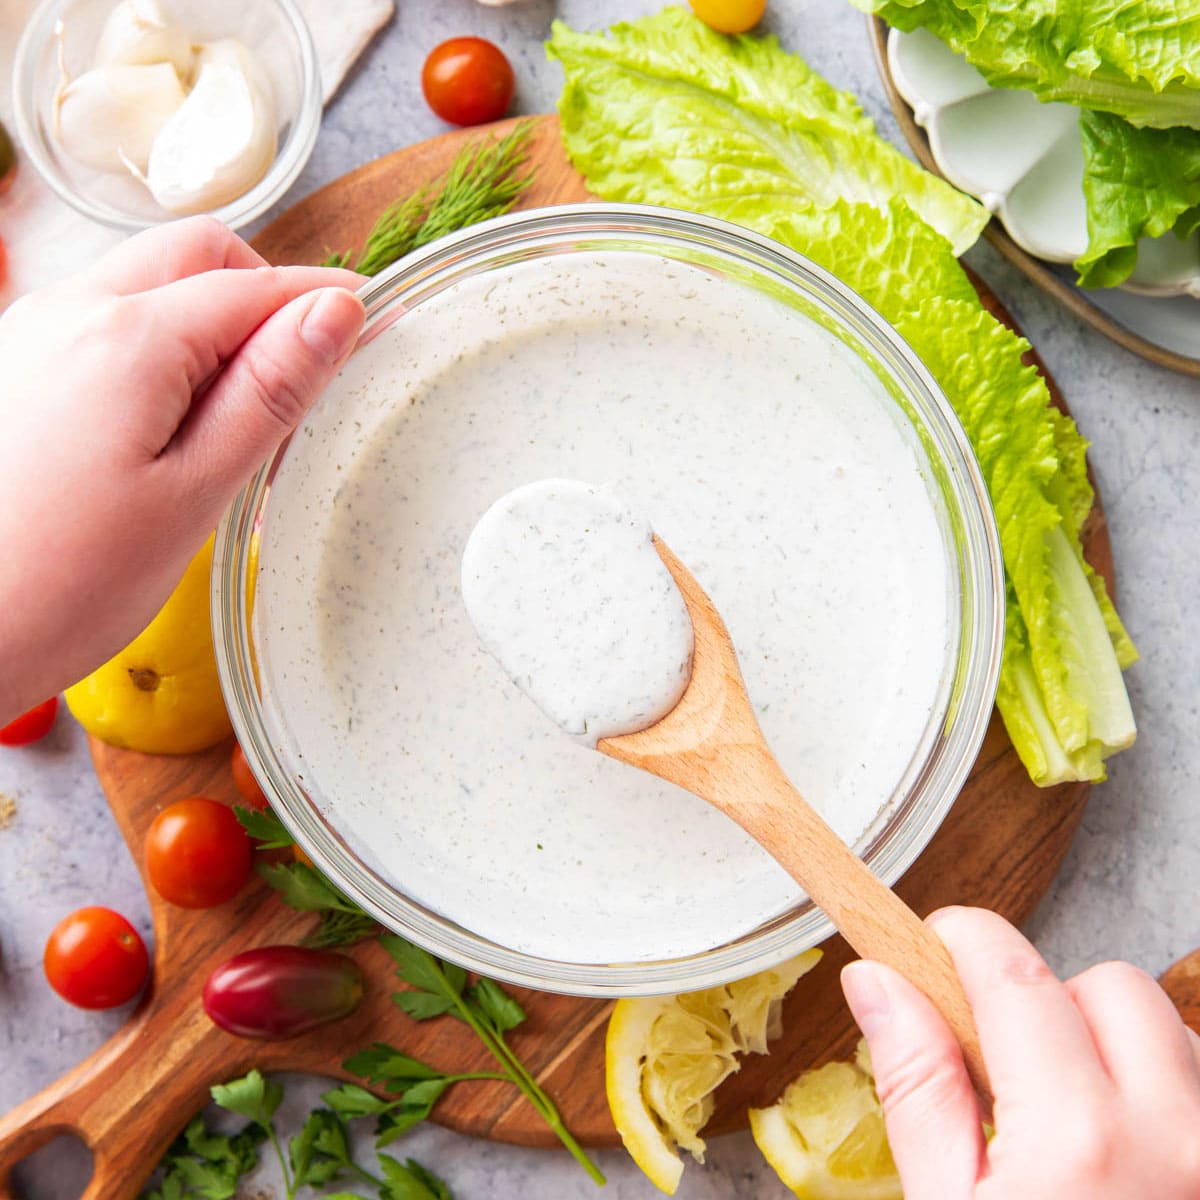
(606, 630)
(710, 743)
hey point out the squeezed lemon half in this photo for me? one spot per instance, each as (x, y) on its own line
(826, 1138)
(666, 1055)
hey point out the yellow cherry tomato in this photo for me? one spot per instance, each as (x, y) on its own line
(729, 16)
(161, 695)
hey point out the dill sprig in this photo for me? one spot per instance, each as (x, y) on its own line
(485, 180)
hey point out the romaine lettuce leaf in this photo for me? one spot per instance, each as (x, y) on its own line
(650, 113)
(1024, 714)
(1032, 460)
(1072, 493)
(1138, 60)
(1137, 183)
(666, 106)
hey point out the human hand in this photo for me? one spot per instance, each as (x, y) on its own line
(135, 400)
(1096, 1080)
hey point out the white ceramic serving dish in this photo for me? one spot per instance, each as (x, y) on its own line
(1022, 159)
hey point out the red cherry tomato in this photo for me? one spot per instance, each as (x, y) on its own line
(96, 959)
(467, 81)
(36, 722)
(197, 855)
(244, 781)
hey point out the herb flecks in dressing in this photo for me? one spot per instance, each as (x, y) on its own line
(567, 592)
(770, 460)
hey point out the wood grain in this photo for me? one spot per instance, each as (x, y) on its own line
(1036, 269)
(1000, 846)
(1181, 982)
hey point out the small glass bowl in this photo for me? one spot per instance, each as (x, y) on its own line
(941, 761)
(274, 30)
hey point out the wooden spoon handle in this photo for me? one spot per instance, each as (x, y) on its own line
(867, 913)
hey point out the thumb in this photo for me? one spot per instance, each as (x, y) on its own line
(932, 1118)
(262, 393)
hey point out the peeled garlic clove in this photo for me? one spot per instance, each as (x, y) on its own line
(137, 33)
(111, 116)
(221, 141)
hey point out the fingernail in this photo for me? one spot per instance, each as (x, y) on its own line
(866, 994)
(942, 914)
(332, 323)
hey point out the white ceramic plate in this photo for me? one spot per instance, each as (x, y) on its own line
(1024, 162)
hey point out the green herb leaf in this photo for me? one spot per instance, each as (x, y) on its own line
(265, 827)
(340, 929)
(204, 1165)
(351, 1101)
(420, 969)
(393, 1125)
(422, 1005)
(411, 1181)
(321, 1150)
(426, 1093)
(496, 1004)
(384, 1064)
(252, 1096)
(303, 888)
(485, 180)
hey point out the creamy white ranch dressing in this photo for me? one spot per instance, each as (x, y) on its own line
(567, 592)
(772, 462)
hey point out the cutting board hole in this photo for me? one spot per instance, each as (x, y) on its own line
(60, 1170)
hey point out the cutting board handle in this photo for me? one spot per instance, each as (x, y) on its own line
(115, 1101)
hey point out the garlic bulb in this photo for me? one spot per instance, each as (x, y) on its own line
(136, 33)
(111, 116)
(221, 140)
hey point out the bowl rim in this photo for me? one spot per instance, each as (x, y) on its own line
(289, 161)
(980, 596)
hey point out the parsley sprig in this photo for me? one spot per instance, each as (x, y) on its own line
(485, 180)
(207, 1165)
(204, 1165)
(304, 888)
(435, 988)
(438, 988)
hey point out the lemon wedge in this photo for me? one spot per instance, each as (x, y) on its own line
(666, 1055)
(826, 1138)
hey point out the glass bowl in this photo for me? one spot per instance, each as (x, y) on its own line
(734, 259)
(274, 30)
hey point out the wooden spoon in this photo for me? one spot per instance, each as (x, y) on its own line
(710, 743)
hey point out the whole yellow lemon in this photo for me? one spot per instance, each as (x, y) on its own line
(160, 695)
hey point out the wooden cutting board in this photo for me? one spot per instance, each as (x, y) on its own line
(1000, 847)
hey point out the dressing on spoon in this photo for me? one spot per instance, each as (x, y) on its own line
(566, 590)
